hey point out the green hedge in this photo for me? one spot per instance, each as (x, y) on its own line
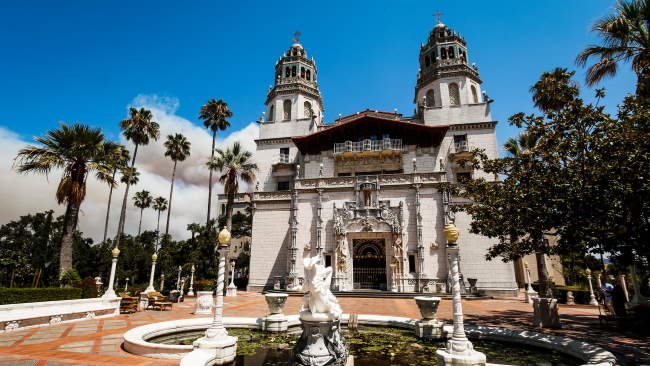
(23, 295)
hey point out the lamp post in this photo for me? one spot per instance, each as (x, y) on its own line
(592, 298)
(216, 347)
(459, 350)
(150, 288)
(232, 289)
(110, 292)
(191, 291)
(178, 280)
(530, 293)
(98, 284)
(126, 285)
(162, 281)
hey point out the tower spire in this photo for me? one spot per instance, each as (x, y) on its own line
(438, 14)
(296, 37)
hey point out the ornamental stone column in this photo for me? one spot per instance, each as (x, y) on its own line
(110, 292)
(216, 347)
(592, 297)
(459, 350)
(191, 291)
(150, 288)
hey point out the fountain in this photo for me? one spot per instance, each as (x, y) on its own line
(321, 342)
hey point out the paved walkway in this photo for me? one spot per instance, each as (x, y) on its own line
(98, 341)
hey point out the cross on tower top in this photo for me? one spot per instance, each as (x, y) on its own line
(438, 14)
(296, 37)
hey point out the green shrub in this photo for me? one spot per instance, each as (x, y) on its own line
(204, 285)
(71, 279)
(24, 295)
(88, 288)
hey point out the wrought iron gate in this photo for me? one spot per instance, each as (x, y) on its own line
(369, 264)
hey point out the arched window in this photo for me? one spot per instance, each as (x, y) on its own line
(431, 98)
(443, 53)
(454, 94)
(427, 61)
(474, 95)
(450, 52)
(293, 71)
(287, 72)
(286, 106)
(308, 74)
(302, 72)
(308, 111)
(271, 116)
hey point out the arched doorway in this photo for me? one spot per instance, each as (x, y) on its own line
(369, 264)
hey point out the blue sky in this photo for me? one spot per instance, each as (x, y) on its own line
(87, 60)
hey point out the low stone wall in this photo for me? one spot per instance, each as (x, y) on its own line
(36, 314)
(136, 340)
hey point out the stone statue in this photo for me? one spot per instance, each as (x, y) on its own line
(398, 254)
(319, 302)
(321, 342)
(342, 255)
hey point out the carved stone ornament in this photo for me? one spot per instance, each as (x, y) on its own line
(13, 325)
(56, 319)
(90, 315)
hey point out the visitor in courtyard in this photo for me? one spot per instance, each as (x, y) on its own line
(607, 291)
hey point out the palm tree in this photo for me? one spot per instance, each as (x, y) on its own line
(142, 200)
(193, 228)
(214, 116)
(178, 149)
(235, 164)
(139, 128)
(626, 39)
(523, 144)
(554, 90)
(78, 150)
(119, 160)
(159, 205)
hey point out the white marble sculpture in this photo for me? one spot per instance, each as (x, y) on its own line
(318, 303)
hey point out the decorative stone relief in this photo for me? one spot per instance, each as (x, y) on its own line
(203, 302)
(55, 319)
(13, 325)
(90, 315)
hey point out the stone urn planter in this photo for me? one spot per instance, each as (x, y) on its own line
(276, 302)
(428, 306)
(276, 321)
(428, 327)
(203, 303)
(472, 285)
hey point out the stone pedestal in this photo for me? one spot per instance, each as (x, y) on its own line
(320, 343)
(428, 327)
(231, 290)
(466, 357)
(570, 300)
(203, 303)
(276, 321)
(545, 313)
(218, 350)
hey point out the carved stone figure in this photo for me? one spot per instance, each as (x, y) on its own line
(319, 302)
(367, 196)
(342, 255)
(321, 342)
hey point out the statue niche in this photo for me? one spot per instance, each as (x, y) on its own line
(366, 194)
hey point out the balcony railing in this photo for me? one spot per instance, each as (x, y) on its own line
(284, 159)
(460, 146)
(367, 145)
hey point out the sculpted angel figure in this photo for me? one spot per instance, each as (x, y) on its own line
(319, 299)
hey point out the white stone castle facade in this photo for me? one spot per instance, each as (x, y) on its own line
(363, 191)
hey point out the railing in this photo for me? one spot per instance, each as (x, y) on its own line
(368, 145)
(284, 159)
(460, 146)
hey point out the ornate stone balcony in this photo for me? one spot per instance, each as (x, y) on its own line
(460, 150)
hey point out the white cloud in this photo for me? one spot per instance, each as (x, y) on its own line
(23, 194)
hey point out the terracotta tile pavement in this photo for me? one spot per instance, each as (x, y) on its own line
(98, 341)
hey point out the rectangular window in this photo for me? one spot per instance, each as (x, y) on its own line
(460, 143)
(283, 186)
(412, 263)
(345, 174)
(284, 155)
(328, 260)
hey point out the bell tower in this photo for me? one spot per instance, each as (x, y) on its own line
(295, 95)
(448, 89)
